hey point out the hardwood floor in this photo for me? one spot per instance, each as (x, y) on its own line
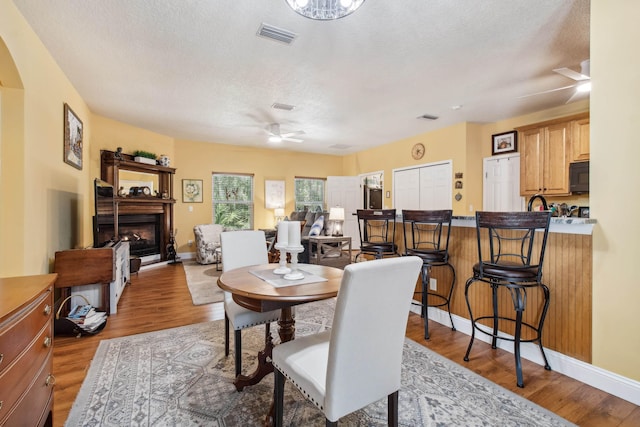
(158, 298)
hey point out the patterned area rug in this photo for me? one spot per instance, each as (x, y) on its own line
(180, 377)
(202, 282)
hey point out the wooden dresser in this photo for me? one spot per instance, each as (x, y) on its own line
(26, 350)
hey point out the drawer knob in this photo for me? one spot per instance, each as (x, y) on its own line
(1, 357)
(47, 310)
(0, 404)
(51, 380)
(47, 342)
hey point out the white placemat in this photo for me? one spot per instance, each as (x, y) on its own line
(278, 280)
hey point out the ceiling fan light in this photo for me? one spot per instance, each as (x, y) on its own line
(324, 10)
(584, 87)
(275, 139)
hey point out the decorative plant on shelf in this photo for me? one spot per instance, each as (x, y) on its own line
(147, 154)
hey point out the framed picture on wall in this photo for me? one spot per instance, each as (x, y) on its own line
(72, 138)
(506, 142)
(191, 191)
(273, 194)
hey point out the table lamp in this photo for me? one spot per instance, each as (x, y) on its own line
(336, 215)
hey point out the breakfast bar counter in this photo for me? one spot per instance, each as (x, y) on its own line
(567, 271)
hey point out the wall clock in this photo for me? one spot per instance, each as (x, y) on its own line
(417, 151)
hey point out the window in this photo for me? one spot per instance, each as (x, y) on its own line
(233, 201)
(309, 194)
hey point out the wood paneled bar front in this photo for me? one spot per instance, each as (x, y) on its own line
(567, 271)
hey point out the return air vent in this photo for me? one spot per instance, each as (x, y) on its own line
(428, 117)
(275, 33)
(279, 106)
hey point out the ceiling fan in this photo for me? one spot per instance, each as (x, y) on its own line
(275, 136)
(582, 78)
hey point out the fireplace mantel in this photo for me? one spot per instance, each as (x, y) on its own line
(141, 205)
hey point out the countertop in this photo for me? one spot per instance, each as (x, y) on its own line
(567, 225)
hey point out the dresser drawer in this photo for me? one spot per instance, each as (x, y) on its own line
(18, 378)
(17, 332)
(34, 407)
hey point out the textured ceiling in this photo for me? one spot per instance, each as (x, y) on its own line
(197, 70)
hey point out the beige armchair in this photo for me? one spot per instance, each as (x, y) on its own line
(208, 243)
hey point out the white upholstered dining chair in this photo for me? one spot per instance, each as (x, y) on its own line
(242, 249)
(359, 360)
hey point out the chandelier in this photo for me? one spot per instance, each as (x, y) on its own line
(324, 10)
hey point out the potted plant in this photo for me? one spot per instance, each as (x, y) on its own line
(144, 157)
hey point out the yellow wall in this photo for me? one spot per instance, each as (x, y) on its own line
(198, 160)
(44, 200)
(615, 150)
(443, 144)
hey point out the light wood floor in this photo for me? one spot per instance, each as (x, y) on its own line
(158, 298)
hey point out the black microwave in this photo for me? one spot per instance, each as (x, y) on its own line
(579, 177)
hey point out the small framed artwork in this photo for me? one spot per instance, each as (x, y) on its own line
(273, 194)
(191, 191)
(506, 142)
(72, 138)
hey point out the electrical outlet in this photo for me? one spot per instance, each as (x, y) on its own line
(433, 284)
(189, 242)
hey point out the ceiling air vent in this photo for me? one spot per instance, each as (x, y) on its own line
(340, 146)
(275, 33)
(279, 106)
(428, 117)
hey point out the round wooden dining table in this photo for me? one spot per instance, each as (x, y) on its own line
(255, 293)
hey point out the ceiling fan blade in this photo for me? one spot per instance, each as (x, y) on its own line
(574, 75)
(577, 95)
(294, 133)
(284, 138)
(547, 91)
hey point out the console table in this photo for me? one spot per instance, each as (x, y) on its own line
(332, 251)
(105, 268)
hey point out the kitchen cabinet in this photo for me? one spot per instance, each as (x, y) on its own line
(580, 140)
(546, 149)
(544, 160)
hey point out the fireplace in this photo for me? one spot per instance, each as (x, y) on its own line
(141, 231)
(145, 220)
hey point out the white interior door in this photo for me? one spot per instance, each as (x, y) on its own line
(501, 184)
(436, 186)
(406, 189)
(425, 187)
(344, 191)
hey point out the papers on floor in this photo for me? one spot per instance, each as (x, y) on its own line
(86, 317)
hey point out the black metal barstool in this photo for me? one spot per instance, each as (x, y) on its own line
(513, 244)
(377, 229)
(427, 241)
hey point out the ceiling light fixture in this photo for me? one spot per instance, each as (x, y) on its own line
(275, 139)
(324, 10)
(584, 87)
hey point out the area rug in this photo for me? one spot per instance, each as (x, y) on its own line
(202, 282)
(180, 377)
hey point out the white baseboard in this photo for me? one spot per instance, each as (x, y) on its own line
(187, 255)
(610, 382)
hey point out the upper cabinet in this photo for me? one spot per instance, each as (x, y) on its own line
(580, 140)
(546, 149)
